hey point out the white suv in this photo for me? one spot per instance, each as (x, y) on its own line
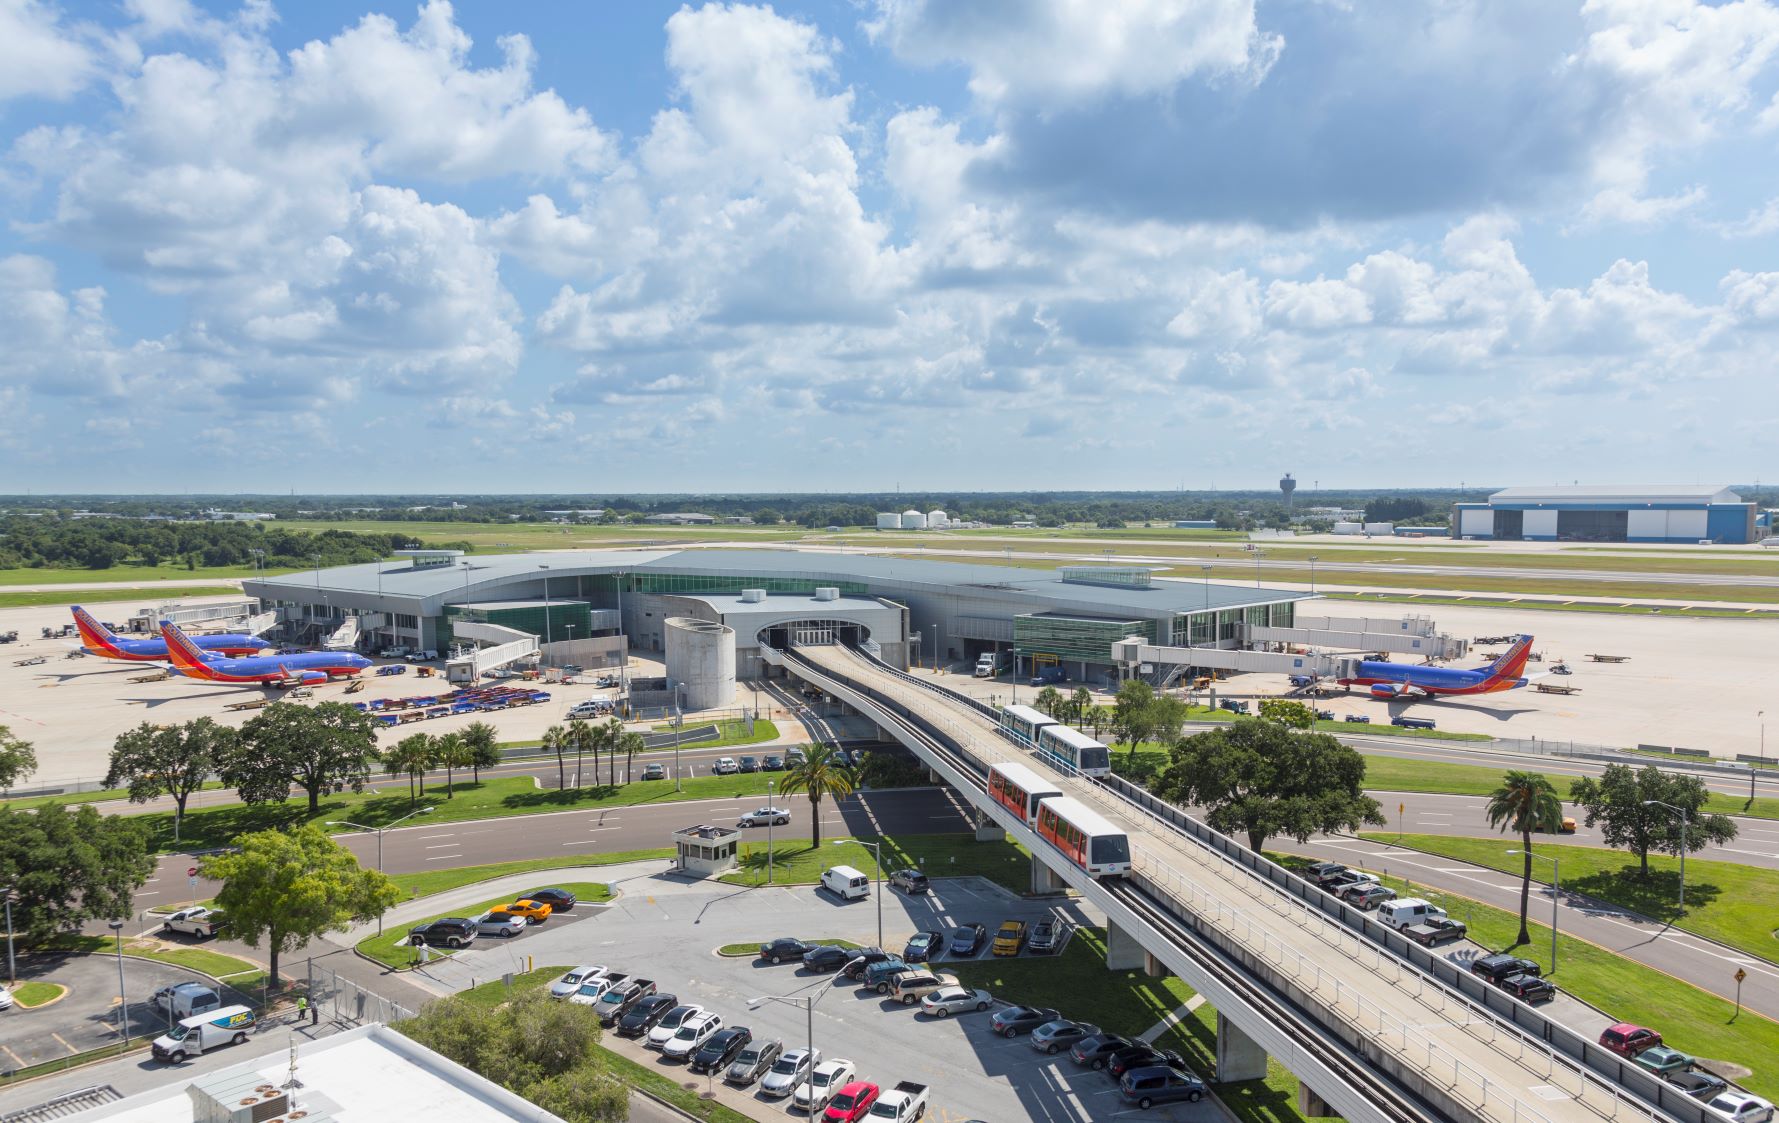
(668, 1026)
(691, 1035)
(764, 815)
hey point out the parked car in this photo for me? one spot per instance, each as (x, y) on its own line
(795, 757)
(725, 766)
(1043, 939)
(592, 990)
(790, 1069)
(966, 939)
(5, 998)
(1698, 1084)
(947, 1001)
(1627, 1040)
(1053, 1037)
(1095, 1051)
(617, 1001)
(755, 1060)
(1494, 968)
(829, 1077)
(654, 771)
(186, 1000)
(721, 1049)
(910, 881)
(196, 921)
(506, 927)
(534, 911)
(1317, 872)
(880, 977)
(446, 932)
(783, 948)
(827, 957)
(852, 1102)
(1146, 1087)
(1009, 938)
(904, 1103)
(862, 960)
(772, 763)
(1662, 1060)
(916, 985)
(664, 1029)
(1529, 989)
(1743, 1107)
(1142, 1056)
(760, 816)
(1438, 930)
(1015, 1020)
(559, 900)
(571, 982)
(1368, 897)
(749, 763)
(646, 1014)
(691, 1035)
(922, 945)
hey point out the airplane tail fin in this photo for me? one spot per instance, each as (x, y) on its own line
(185, 654)
(96, 635)
(1512, 662)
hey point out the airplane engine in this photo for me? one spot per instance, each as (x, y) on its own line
(313, 678)
(1380, 690)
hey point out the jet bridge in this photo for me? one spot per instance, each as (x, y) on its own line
(1431, 646)
(511, 645)
(1134, 651)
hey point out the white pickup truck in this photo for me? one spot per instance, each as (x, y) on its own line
(904, 1103)
(196, 921)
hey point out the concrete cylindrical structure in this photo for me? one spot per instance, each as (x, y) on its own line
(701, 662)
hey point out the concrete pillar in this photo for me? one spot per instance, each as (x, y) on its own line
(989, 832)
(1310, 1105)
(1238, 1057)
(1044, 880)
(1123, 952)
(1153, 967)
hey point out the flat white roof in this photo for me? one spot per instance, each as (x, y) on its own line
(1618, 493)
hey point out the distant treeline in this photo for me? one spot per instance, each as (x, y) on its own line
(60, 542)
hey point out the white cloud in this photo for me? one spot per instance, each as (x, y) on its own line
(39, 55)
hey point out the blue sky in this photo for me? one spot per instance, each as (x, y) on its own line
(977, 244)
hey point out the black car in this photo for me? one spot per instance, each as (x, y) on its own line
(772, 764)
(559, 900)
(1142, 1056)
(910, 881)
(1529, 989)
(863, 958)
(782, 949)
(449, 932)
(644, 1016)
(1015, 1020)
(922, 946)
(753, 1062)
(1095, 1051)
(748, 764)
(1698, 1085)
(966, 939)
(827, 957)
(1042, 941)
(721, 1049)
(1498, 967)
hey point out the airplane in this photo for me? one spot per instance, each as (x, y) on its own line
(97, 639)
(1403, 681)
(305, 667)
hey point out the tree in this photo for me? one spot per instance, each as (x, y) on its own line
(285, 889)
(823, 772)
(1615, 801)
(318, 748)
(584, 738)
(1131, 712)
(1099, 718)
(611, 737)
(411, 757)
(555, 740)
(630, 744)
(1079, 702)
(17, 758)
(1261, 779)
(484, 747)
(1287, 712)
(70, 867)
(450, 751)
(1049, 701)
(1525, 802)
(1167, 717)
(172, 760)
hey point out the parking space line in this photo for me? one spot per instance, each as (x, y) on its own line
(442, 846)
(71, 1049)
(444, 857)
(16, 1059)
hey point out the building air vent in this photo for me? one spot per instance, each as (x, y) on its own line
(752, 596)
(827, 592)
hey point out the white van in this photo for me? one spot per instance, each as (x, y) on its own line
(846, 883)
(227, 1026)
(1408, 911)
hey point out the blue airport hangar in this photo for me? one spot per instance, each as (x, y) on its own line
(588, 606)
(1693, 513)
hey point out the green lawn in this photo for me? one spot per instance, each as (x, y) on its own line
(1727, 901)
(731, 731)
(510, 537)
(1523, 603)
(96, 596)
(940, 855)
(390, 950)
(428, 882)
(1401, 774)
(1691, 1019)
(492, 994)
(214, 963)
(129, 571)
(29, 995)
(752, 951)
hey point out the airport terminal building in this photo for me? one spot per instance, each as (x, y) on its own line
(1685, 513)
(586, 604)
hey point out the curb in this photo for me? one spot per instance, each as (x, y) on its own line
(447, 953)
(23, 1009)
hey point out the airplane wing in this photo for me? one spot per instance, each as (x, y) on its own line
(1389, 690)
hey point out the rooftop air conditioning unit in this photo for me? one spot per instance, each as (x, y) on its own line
(752, 596)
(827, 592)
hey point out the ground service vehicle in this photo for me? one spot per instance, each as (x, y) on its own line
(617, 1001)
(506, 927)
(852, 1102)
(789, 1070)
(846, 883)
(201, 1033)
(1146, 1087)
(947, 1001)
(721, 1049)
(1019, 789)
(1413, 722)
(1628, 1040)
(904, 1103)
(782, 949)
(1015, 1020)
(966, 939)
(1084, 837)
(691, 1035)
(1043, 939)
(186, 1000)
(826, 958)
(1440, 930)
(644, 1016)
(988, 665)
(1062, 1034)
(669, 1025)
(1009, 938)
(447, 932)
(1074, 751)
(196, 921)
(559, 900)
(916, 985)
(572, 981)
(753, 1061)
(922, 945)
(912, 882)
(829, 1077)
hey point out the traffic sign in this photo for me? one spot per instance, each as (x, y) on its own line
(1741, 974)
(191, 871)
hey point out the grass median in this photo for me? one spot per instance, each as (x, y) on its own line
(1403, 774)
(1726, 901)
(428, 882)
(1690, 1019)
(752, 951)
(17, 599)
(730, 731)
(939, 855)
(391, 950)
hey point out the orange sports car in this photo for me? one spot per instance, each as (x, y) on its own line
(534, 912)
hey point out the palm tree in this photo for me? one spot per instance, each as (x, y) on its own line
(451, 751)
(584, 738)
(412, 755)
(555, 741)
(1079, 703)
(611, 736)
(630, 744)
(1049, 701)
(1525, 802)
(484, 749)
(823, 772)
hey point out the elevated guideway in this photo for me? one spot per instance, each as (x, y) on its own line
(1379, 1028)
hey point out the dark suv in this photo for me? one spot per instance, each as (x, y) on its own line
(721, 1049)
(827, 958)
(645, 1015)
(1496, 968)
(862, 960)
(909, 881)
(448, 932)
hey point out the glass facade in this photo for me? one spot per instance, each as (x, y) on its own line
(567, 620)
(1204, 629)
(1082, 638)
(696, 583)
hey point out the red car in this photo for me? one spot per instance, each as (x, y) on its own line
(853, 1102)
(1628, 1040)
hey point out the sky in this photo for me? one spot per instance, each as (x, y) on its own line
(616, 245)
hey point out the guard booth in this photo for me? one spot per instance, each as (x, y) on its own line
(704, 850)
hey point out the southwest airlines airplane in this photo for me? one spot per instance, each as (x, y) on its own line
(97, 639)
(1407, 680)
(308, 666)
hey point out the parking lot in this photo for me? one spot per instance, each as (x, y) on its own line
(666, 929)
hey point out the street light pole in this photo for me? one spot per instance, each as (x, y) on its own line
(547, 633)
(1312, 575)
(1556, 889)
(379, 831)
(808, 1005)
(1685, 834)
(877, 861)
(12, 971)
(123, 1005)
(770, 819)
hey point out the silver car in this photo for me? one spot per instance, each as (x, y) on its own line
(791, 1070)
(947, 1001)
(572, 981)
(506, 927)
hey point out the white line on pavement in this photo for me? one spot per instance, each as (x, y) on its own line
(444, 857)
(441, 845)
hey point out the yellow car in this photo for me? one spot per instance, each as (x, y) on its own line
(534, 912)
(1010, 937)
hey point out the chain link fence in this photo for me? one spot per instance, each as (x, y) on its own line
(340, 1000)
